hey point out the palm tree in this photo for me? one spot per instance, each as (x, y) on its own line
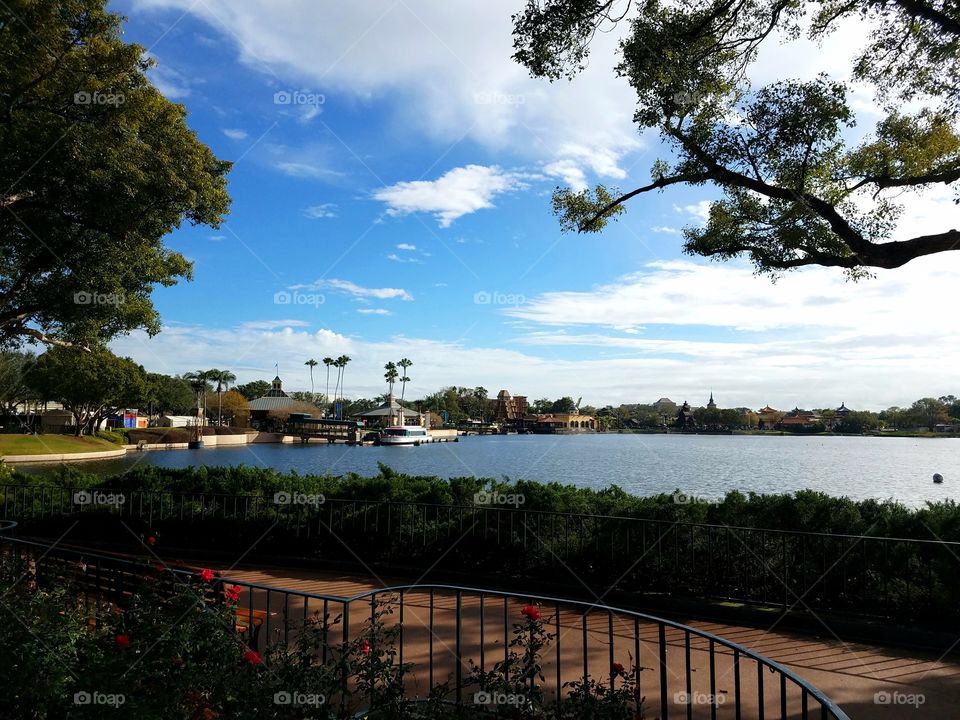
(343, 360)
(223, 378)
(328, 361)
(390, 376)
(311, 363)
(404, 364)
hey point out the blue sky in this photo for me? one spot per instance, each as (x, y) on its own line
(391, 198)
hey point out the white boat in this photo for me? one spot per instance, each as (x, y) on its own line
(404, 435)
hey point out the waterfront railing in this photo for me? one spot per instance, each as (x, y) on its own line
(447, 632)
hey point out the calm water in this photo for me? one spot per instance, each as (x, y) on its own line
(709, 466)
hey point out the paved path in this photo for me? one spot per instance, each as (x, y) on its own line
(852, 674)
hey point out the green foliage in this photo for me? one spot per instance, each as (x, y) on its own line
(91, 384)
(169, 395)
(253, 390)
(117, 437)
(795, 191)
(96, 168)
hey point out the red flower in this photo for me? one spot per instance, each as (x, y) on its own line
(232, 592)
(206, 575)
(152, 540)
(123, 640)
(365, 648)
(617, 668)
(252, 657)
(530, 612)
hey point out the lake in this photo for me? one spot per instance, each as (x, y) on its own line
(701, 465)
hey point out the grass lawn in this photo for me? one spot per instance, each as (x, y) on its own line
(51, 444)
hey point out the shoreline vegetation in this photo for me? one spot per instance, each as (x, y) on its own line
(803, 511)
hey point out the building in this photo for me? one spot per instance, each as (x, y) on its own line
(388, 414)
(510, 410)
(798, 419)
(174, 421)
(768, 418)
(560, 423)
(711, 405)
(685, 419)
(275, 399)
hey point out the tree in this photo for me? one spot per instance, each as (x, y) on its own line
(311, 363)
(953, 405)
(404, 365)
(14, 389)
(857, 421)
(91, 385)
(541, 406)
(223, 378)
(340, 363)
(927, 412)
(167, 395)
(254, 389)
(233, 406)
(794, 192)
(563, 405)
(96, 167)
(328, 361)
(390, 376)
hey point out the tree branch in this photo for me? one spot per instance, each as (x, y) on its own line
(659, 184)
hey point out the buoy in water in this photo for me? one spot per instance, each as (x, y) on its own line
(937, 478)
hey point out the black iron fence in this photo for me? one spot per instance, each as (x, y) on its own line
(446, 633)
(905, 579)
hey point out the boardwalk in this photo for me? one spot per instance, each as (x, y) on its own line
(852, 674)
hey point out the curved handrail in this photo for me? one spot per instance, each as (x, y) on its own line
(823, 700)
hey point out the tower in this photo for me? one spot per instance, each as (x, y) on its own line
(711, 405)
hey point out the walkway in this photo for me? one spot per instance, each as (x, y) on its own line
(852, 674)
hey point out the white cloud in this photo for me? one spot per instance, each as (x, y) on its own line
(449, 67)
(458, 192)
(303, 170)
(664, 229)
(324, 210)
(171, 83)
(357, 291)
(235, 134)
(393, 257)
(406, 246)
(699, 211)
(374, 311)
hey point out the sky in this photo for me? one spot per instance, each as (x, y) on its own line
(391, 198)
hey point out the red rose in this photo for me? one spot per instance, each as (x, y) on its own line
(232, 592)
(123, 640)
(151, 540)
(206, 575)
(252, 657)
(530, 612)
(617, 668)
(365, 648)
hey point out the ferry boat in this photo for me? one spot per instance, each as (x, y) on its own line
(404, 435)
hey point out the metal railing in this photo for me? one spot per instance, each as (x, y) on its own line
(907, 579)
(445, 631)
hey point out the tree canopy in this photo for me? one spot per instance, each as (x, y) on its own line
(96, 167)
(796, 192)
(92, 385)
